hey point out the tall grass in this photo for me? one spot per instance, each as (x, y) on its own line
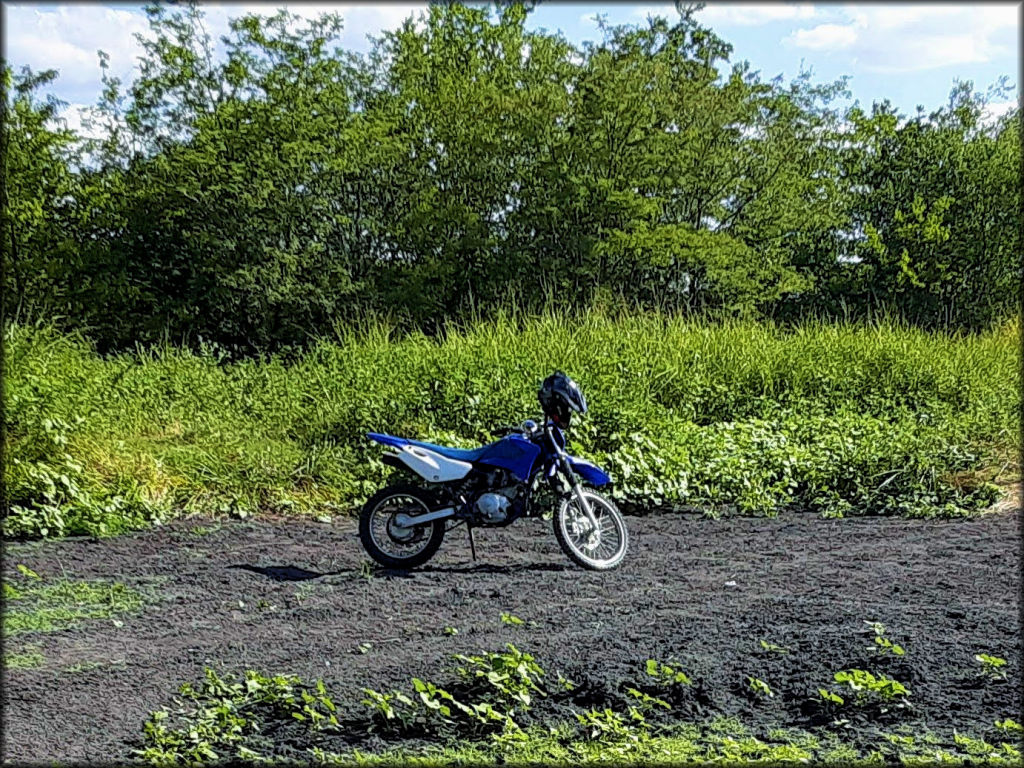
(834, 417)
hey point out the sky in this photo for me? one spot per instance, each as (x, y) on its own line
(908, 53)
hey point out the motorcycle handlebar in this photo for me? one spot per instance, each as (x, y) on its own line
(528, 427)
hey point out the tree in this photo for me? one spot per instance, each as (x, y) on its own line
(938, 203)
(39, 244)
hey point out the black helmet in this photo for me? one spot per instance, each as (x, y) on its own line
(559, 396)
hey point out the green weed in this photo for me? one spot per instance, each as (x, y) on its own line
(773, 648)
(863, 689)
(992, 667)
(645, 701)
(226, 711)
(229, 719)
(46, 607)
(882, 644)
(27, 572)
(385, 709)
(1009, 726)
(513, 673)
(28, 658)
(667, 675)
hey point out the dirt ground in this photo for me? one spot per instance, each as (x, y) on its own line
(297, 597)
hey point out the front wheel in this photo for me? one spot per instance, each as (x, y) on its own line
(595, 550)
(390, 544)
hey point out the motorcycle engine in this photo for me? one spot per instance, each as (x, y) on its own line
(494, 506)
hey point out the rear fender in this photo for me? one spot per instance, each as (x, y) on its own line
(432, 467)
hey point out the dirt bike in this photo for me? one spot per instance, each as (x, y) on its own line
(402, 526)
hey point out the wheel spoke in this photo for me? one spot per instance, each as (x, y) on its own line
(394, 540)
(598, 546)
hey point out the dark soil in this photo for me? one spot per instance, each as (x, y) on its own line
(298, 597)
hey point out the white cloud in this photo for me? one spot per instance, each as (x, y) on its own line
(73, 117)
(825, 36)
(909, 38)
(67, 38)
(735, 14)
(754, 14)
(993, 112)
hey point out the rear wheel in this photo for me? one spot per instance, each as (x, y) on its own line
(595, 550)
(390, 544)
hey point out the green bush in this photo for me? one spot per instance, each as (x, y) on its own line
(734, 417)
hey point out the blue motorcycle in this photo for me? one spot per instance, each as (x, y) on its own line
(402, 526)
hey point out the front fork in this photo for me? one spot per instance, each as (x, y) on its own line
(577, 490)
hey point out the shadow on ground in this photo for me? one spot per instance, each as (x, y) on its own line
(286, 572)
(294, 573)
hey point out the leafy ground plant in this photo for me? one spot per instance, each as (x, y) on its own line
(863, 690)
(768, 647)
(226, 711)
(665, 674)
(759, 688)
(883, 645)
(261, 719)
(992, 667)
(515, 675)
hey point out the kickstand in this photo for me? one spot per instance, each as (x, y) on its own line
(469, 530)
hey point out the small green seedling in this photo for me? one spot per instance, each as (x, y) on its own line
(773, 648)
(647, 701)
(610, 727)
(28, 573)
(760, 687)
(831, 698)
(867, 688)
(513, 673)
(451, 631)
(383, 705)
(899, 741)
(882, 644)
(1009, 726)
(992, 666)
(365, 647)
(666, 674)
(508, 618)
(976, 747)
